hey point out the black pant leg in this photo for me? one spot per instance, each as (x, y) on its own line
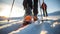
(29, 3)
(35, 9)
(28, 8)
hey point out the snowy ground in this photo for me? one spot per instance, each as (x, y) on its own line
(50, 26)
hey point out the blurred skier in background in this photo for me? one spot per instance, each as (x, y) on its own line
(44, 8)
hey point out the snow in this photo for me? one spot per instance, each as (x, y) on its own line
(38, 27)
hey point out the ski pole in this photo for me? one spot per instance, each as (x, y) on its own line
(11, 9)
(40, 10)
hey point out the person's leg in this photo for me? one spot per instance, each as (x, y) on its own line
(45, 13)
(25, 4)
(35, 9)
(28, 8)
(28, 12)
(29, 2)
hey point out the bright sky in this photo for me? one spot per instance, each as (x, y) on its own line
(53, 5)
(18, 11)
(5, 7)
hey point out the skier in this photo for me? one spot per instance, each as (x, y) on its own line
(28, 6)
(44, 8)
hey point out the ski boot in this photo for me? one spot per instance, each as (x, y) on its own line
(35, 18)
(27, 20)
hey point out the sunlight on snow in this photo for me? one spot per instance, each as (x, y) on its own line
(54, 24)
(7, 25)
(50, 18)
(43, 32)
(13, 32)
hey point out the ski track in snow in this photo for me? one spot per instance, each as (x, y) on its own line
(45, 27)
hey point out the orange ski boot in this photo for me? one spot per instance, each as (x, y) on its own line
(27, 20)
(35, 18)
